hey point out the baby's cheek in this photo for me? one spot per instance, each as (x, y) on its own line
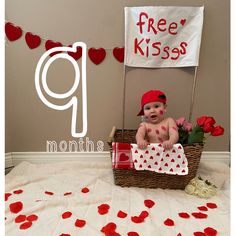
(161, 112)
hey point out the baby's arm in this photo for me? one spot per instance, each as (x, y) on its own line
(140, 135)
(173, 134)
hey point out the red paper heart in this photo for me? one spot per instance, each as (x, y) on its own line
(66, 215)
(137, 219)
(135, 161)
(171, 170)
(182, 22)
(203, 208)
(146, 152)
(151, 157)
(76, 55)
(68, 193)
(153, 148)
(123, 157)
(80, 223)
(144, 214)
(172, 160)
(16, 207)
(65, 235)
(140, 166)
(32, 40)
(133, 234)
(199, 215)
(210, 231)
(109, 227)
(121, 214)
(184, 215)
(173, 151)
(166, 164)
(167, 155)
(85, 190)
(118, 53)
(97, 55)
(26, 225)
(211, 205)
(163, 128)
(155, 163)
(103, 209)
(169, 222)
(7, 195)
(136, 151)
(178, 166)
(50, 44)
(32, 217)
(179, 147)
(12, 32)
(149, 203)
(145, 161)
(179, 156)
(20, 218)
(158, 154)
(19, 191)
(141, 156)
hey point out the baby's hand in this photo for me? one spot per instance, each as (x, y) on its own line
(167, 144)
(142, 144)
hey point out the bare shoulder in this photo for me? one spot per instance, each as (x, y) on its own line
(170, 120)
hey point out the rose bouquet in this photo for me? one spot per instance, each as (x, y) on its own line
(197, 134)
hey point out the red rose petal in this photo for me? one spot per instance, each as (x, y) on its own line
(169, 222)
(149, 203)
(19, 191)
(48, 193)
(121, 214)
(133, 234)
(179, 234)
(66, 215)
(7, 195)
(16, 207)
(144, 214)
(32, 217)
(211, 205)
(26, 225)
(20, 218)
(199, 215)
(80, 223)
(103, 209)
(199, 234)
(137, 219)
(68, 193)
(203, 208)
(184, 215)
(210, 231)
(85, 190)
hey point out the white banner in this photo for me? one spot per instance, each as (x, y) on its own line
(163, 36)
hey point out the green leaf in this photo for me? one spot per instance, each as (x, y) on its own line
(196, 136)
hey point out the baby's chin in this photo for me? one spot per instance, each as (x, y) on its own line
(155, 120)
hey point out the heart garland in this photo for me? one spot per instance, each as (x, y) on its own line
(96, 55)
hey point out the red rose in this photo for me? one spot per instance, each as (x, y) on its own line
(210, 120)
(207, 128)
(217, 131)
(201, 120)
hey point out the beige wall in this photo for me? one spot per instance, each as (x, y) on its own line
(29, 123)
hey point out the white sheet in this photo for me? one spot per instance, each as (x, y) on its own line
(59, 178)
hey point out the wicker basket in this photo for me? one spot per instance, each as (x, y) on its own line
(150, 179)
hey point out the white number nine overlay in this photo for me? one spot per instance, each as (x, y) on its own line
(74, 100)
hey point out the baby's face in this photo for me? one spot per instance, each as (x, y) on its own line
(154, 111)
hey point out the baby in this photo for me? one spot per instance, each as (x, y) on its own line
(156, 128)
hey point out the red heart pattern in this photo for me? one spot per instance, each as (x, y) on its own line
(153, 158)
(32, 40)
(76, 55)
(12, 32)
(119, 53)
(51, 44)
(97, 55)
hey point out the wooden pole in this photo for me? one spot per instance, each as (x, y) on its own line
(123, 105)
(193, 95)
